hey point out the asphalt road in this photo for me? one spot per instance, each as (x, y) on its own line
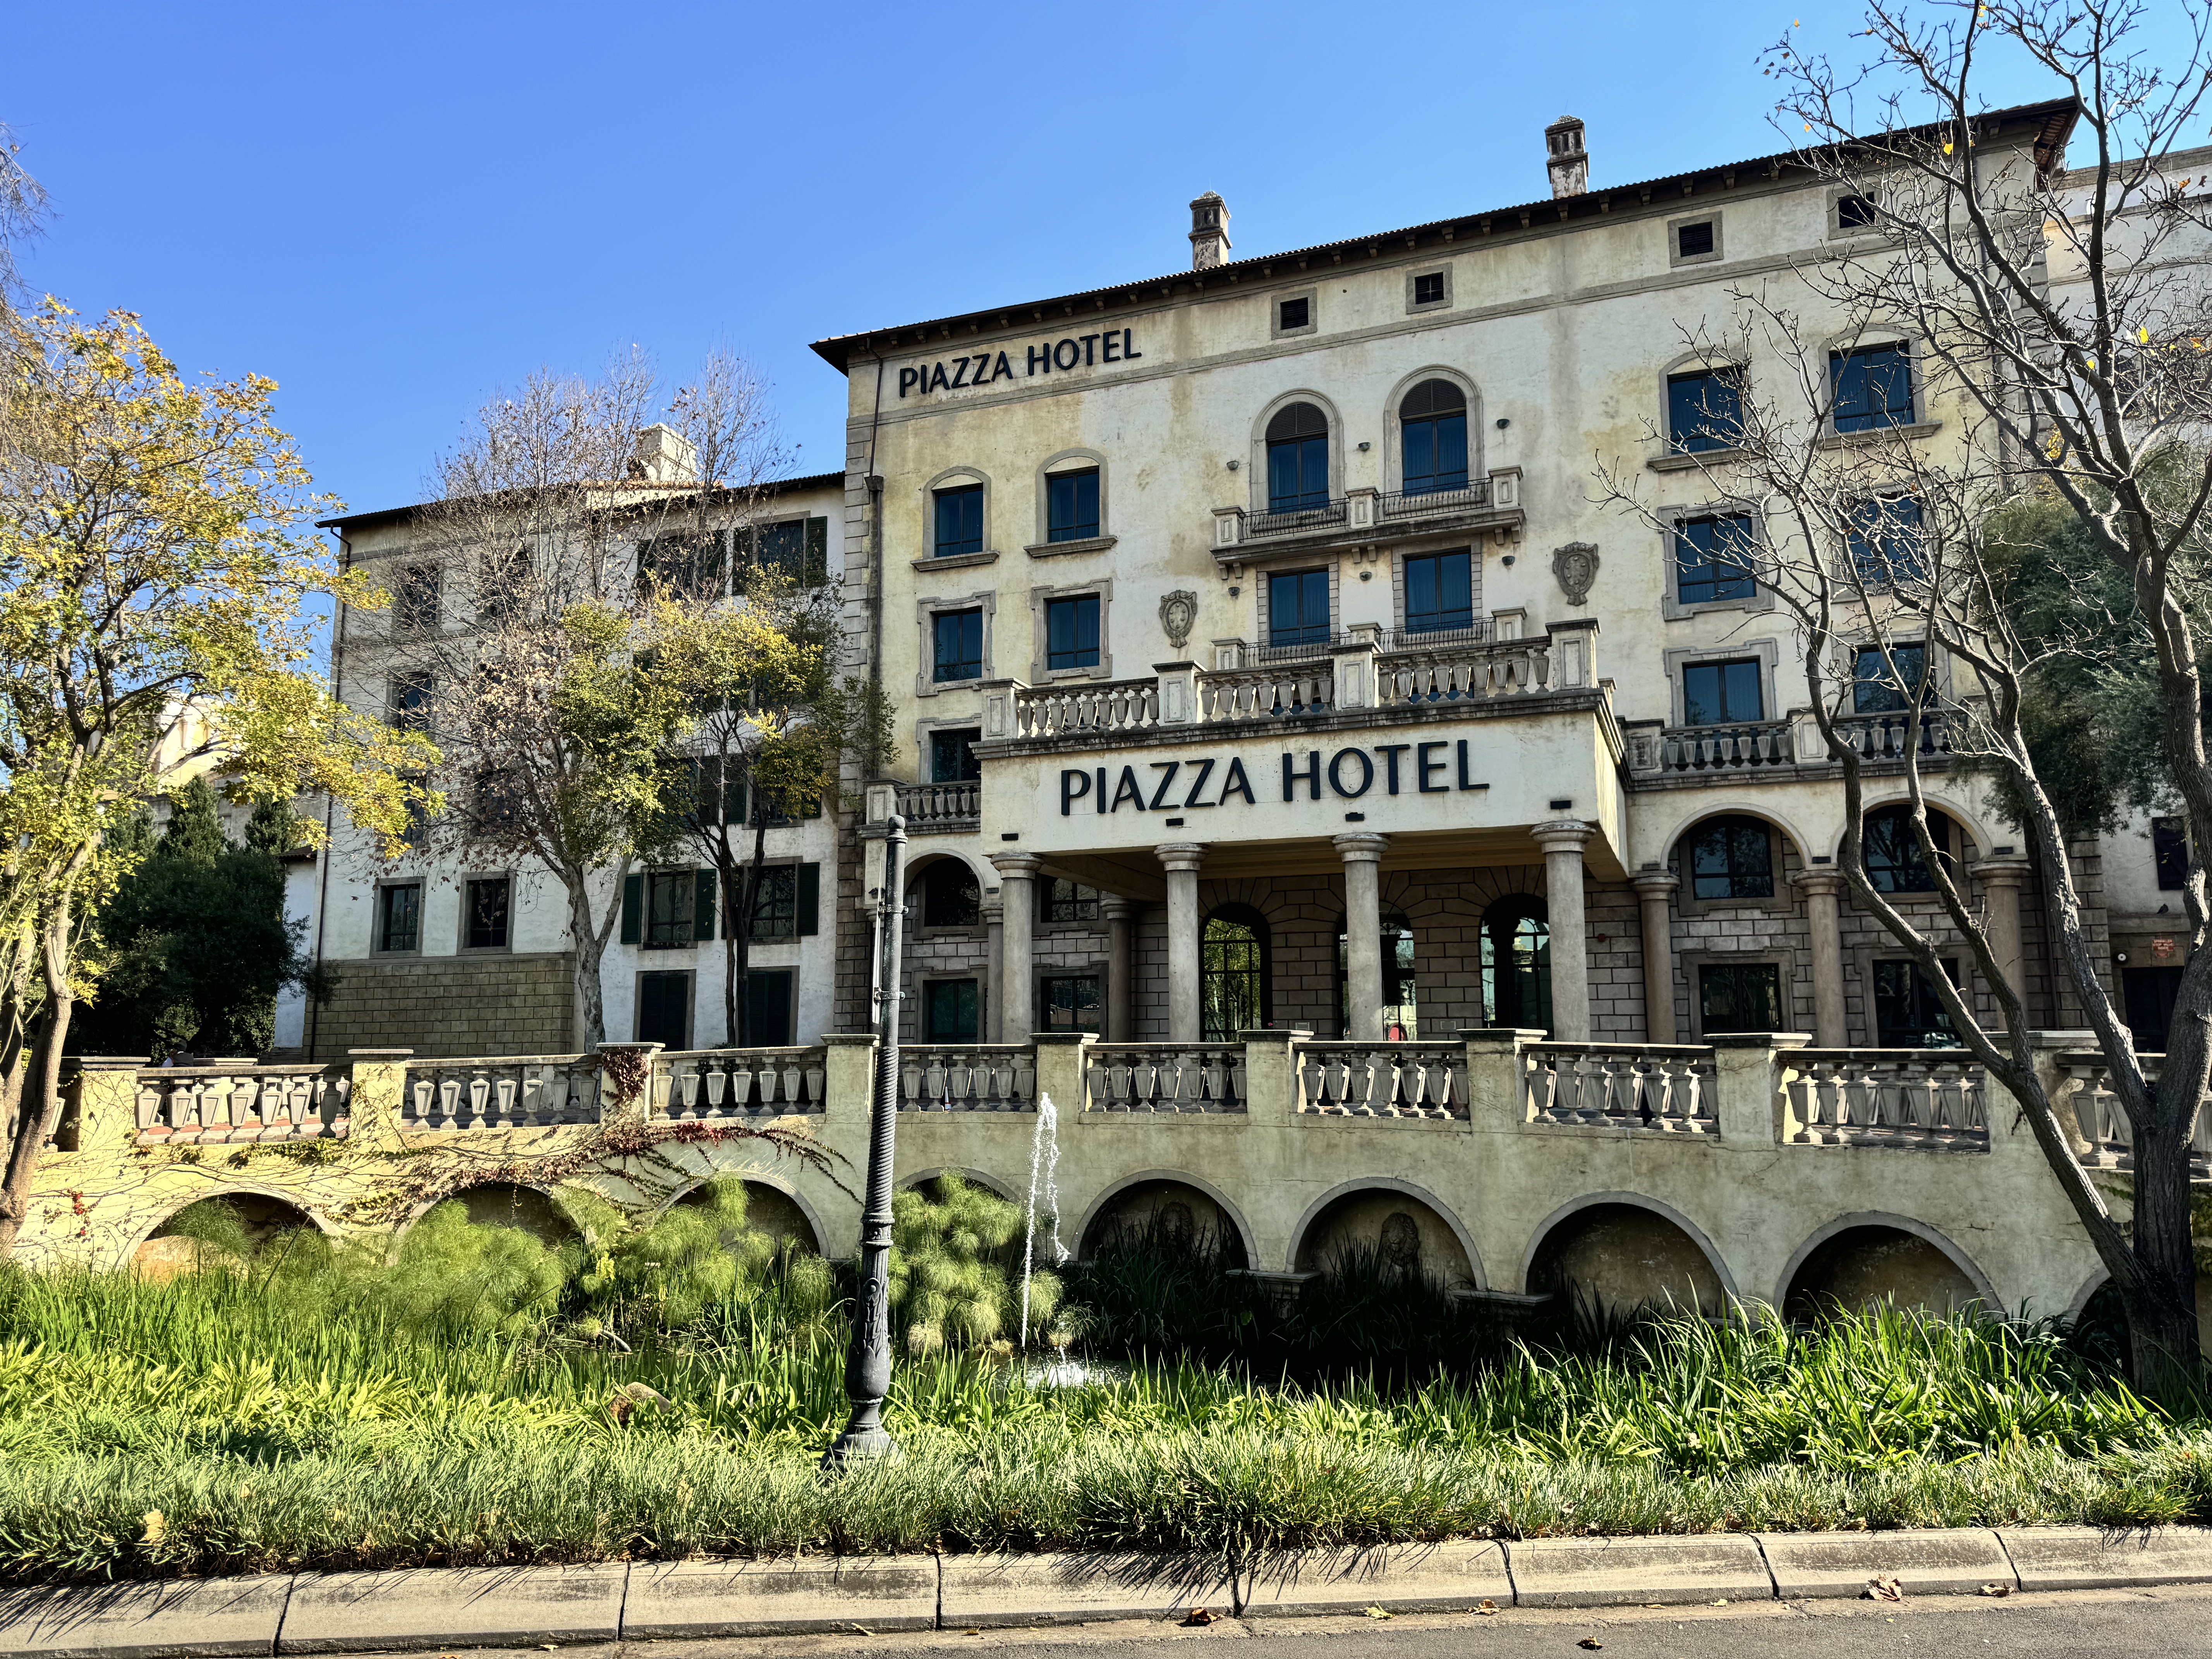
(2103, 1624)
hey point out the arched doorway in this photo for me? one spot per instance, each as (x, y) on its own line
(234, 1227)
(1432, 432)
(1516, 963)
(1298, 459)
(1624, 1257)
(1236, 973)
(1868, 1266)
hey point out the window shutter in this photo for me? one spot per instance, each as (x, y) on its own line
(632, 919)
(702, 907)
(817, 552)
(810, 897)
(710, 564)
(733, 796)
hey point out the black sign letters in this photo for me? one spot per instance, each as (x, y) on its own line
(1076, 351)
(1350, 773)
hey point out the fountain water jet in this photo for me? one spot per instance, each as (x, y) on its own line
(1044, 1172)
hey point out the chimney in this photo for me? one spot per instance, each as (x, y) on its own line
(1209, 232)
(666, 456)
(1568, 160)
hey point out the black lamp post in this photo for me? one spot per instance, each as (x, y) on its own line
(868, 1365)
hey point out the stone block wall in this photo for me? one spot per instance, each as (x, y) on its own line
(450, 1005)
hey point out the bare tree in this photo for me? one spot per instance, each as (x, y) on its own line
(22, 214)
(564, 516)
(2057, 324)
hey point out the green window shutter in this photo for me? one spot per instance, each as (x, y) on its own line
(817, 552)
(810, 899)
(632, 921)
(733, 797)
(702, 907)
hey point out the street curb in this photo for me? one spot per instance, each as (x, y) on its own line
(444, 1607)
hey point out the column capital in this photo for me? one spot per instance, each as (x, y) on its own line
(1825, 882)
(992, 909)
(1562, 835)
(1016, 866)
(2003, 869)
(1113, 907)
(1361, 846)
(1181, 857)
(1654, 883)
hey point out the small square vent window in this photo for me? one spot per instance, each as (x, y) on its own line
(1853, 213)
(1296, 313)
(1691, 240)
(1429, 288)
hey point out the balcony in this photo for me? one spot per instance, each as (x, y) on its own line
(1780, 747)
(939, 809)
(1362, 517)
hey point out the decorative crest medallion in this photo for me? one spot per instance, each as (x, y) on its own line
(1576, 566)
(1178, 614)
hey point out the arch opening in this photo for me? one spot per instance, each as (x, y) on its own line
(238, 1226)
(1236, 989)
(1870, 1265)
(1432, 433)
(1170, 1214)
(1516, 963)
(1393, 1228)
(772, 1212)
(1298, 459)
(1621, 1258)
(525, 1209)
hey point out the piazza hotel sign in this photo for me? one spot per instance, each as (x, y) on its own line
(1436, 767)
(1061, 356)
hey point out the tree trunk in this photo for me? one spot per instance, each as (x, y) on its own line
(591, 996)
(2161, 1302)
(742, 924)
(39, 1098)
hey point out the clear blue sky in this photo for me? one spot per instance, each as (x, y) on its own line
(395, 209)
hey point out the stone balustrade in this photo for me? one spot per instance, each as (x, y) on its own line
(1386, 1079)
(707, 1084)
(2106, 1140)
(1668, 1088)
(941, 809)
(994, 1076)
(1164, 1077)
(523, 1091)
(223, 1104)
(1932, 1098)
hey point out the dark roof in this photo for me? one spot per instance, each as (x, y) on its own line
(2051, 121)
(768, 487)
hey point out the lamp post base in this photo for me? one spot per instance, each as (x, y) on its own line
(861, 1443)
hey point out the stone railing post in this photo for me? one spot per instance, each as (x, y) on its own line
(1061, 1059)
(1178, 692)
(1496, 1075)
(2061, 1091)
(1574, 655)
(849, 1077)
(1353, 665)
(376, 1100)
(1271, 1073)
(1001, 708)
(613, 1109)
(1362, 507)
(1228, 526)
(99, 1108)
(1749, 1102)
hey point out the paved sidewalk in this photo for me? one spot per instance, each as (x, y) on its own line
(527, 1606)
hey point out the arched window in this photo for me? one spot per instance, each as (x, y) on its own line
(1516, 963)
(1401, 1011)
(1893, 859)
(950, 896)
(1235, 975)
(1730, 858)
(1432, 429)
(1298, 459)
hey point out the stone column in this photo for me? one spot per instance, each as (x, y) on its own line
(2002, 875)
(1363, 935)
(1120, 915)
(1016, 995)
(994, 967)
(1181, 859)
(1655, 888)
(1820, 888)
(1562, 839)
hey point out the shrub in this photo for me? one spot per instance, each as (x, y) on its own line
(949, 1280)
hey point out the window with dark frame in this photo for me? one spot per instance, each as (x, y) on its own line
(952, 756)
(412, 695)
(1714, 559)
(782, 548)
(503, 582)
(1886, 540)
(498, 800)
(684, 566)
(1875, 689)
(959, 645)
(1872, 387)
(671, 913)
(769, 1003)
(664, 1009)
(950, 1010)
(2169, 853)
(1070, 632)
(1429, 288)
(1234, 972)
(1071, 505)
(1439, 592)
(399, 916)
(1294, 313)
(1730, 857)
(776, 905)
(415, 600)
(1432, 435)
(1890, 852)
(959, 521)
(950, 897)
(1704, 409)
(485, 912)
(1693, 240)
(1856, 212)
(1739, 996)
(1298, 608)
(1907, 1011)
(1722, 693)
(1298, 459)
(1073, 1002)
(1061, 900)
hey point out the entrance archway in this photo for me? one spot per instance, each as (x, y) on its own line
(1175, 1213)
(1516, 963)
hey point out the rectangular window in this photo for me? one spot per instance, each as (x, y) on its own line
(1071, 505)
(669, 910)
(1906, 1011)
(664, 1010)
(683, 566)
(1704, 409)
(399, 917)
(2149, 995)
(783, 548)
(1691, 241)
(1855, 213)
(411, 695)
(770, 1013)
(1722, 693)
(1429, 289)
(2169, 851)
(1875, 689)
(1872, 387)
(1714, 559)
(1439, 593)
(775, 906)
(1295, 313)
(949, 1008)
(485, 914)
(959, 642)
(1061, 900)
(415, 600)
(1886, 540)
(1739, 996)
(1298, 608)
(1070, 632)
(498, 800)
(503, 581)
(952, 756)
(959, 521)
(1073, 1002)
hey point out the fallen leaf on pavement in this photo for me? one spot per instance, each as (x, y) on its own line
(1589, 1641)
(1487, 1609)
(1996, 1589)
(1378, 1613)
(864, 1630)
(1884, 1588)
(1200, 1616)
